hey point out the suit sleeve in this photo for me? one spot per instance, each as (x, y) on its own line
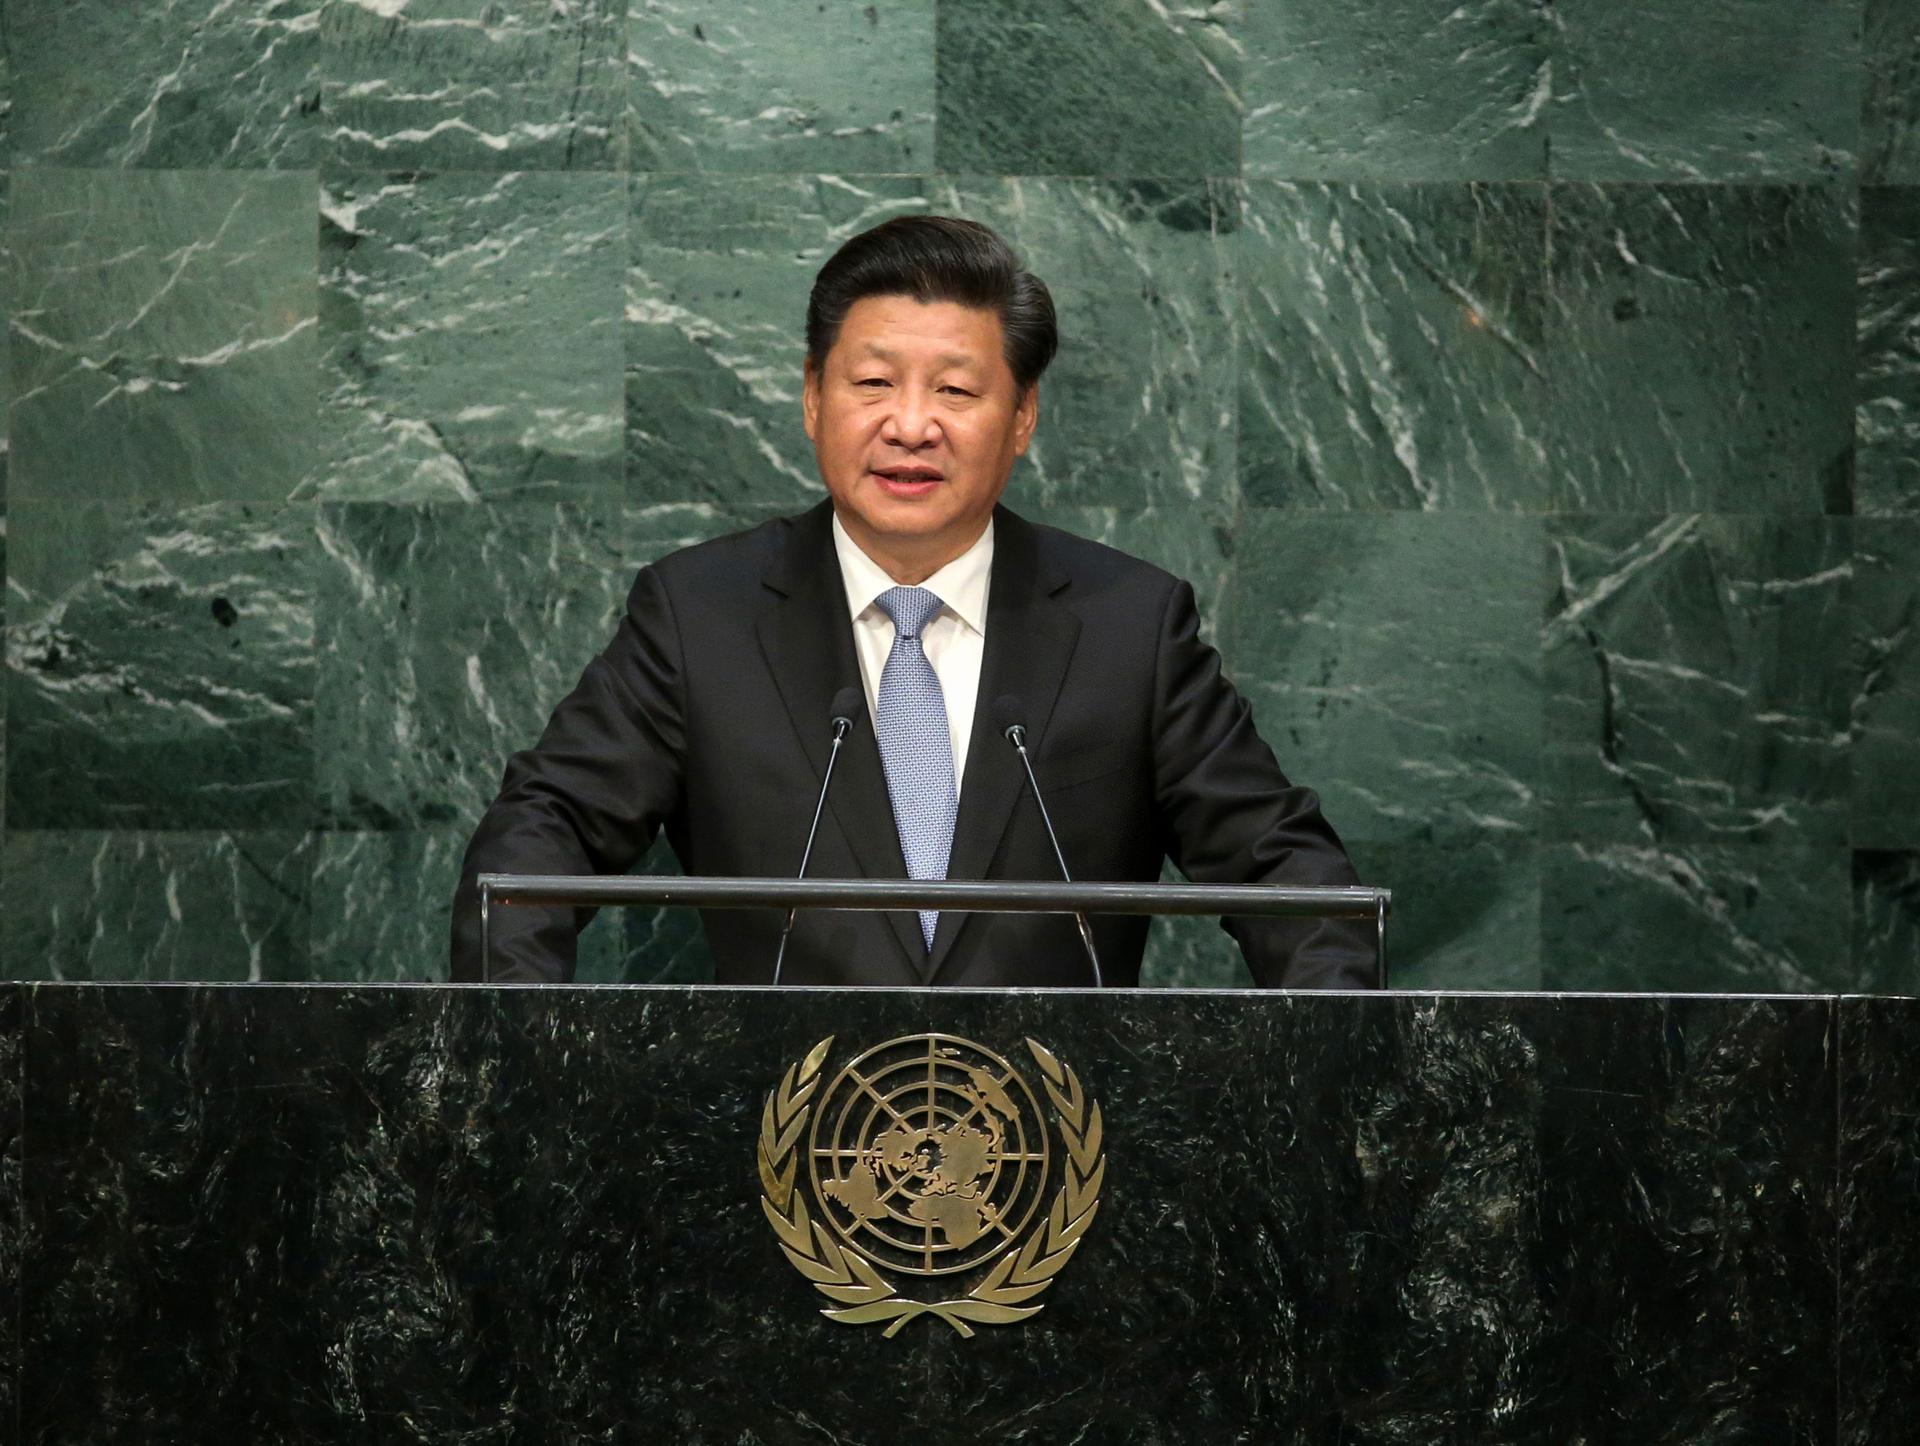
(588, 798)
(1232, 816)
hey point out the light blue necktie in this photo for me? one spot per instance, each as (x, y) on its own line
(916, 744)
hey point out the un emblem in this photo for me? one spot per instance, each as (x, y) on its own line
(929, 1157)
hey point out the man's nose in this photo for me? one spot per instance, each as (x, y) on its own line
(911, 421)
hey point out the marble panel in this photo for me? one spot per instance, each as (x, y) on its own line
(380, 905)
(1886, 921)
(5, 684)
(381, 914)
(448, 634)
(13, 1008)
(1711, 918)
(1698, 679)
(1090, 87)
(471, 335)
(1879, 1048)
(475, 85)
(1391, 346)
(6, 395)
(1195, 1308)
(1397, 90)
(533, 1213)
(1887, 376)
(154, 906)
(7, 288)
(180, 86)
(163, 334)
(160, 666)
(1890, 113)
(716, 308)
(433, 1211)
(6, 101)
(1466, 911)
(695, 1340)
(1386, 1265)
(280, 1201)
(781, 86)
(1723, 90)
(1886, 703)
(1686, 1164)
(6, 243)
(1138, 406)
(1393, 664)
(1702, 348)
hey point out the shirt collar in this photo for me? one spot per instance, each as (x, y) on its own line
(961, 584)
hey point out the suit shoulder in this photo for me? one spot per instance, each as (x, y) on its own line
(722, 561)
(1096, 565)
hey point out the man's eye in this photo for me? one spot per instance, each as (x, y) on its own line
(957, 391)
(871, 382)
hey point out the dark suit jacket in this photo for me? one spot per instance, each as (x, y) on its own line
(707, 715)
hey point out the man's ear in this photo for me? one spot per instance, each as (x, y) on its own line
(809, 396)
(1025, 417)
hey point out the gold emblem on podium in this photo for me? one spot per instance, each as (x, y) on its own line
(926, 1165)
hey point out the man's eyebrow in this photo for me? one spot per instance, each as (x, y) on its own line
(945, 358)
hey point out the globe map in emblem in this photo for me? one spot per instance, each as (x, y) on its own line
(928, 1154)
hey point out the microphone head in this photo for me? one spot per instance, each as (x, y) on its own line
(1009, 716)
(847, 706)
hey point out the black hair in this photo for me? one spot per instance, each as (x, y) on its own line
(937, 258)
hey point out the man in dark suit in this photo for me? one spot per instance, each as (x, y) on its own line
(709, 713)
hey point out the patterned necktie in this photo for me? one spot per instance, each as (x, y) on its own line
(915, 743)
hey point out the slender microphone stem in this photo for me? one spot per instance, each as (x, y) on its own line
(841, 726)
(1017, 735)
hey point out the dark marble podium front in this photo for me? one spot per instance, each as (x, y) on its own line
(282, 1213)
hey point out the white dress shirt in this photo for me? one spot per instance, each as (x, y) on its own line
(954, 639)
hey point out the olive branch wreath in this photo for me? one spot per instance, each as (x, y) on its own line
(844, 1275)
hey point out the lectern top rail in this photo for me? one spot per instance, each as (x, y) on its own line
(999, 896)
(979, 895)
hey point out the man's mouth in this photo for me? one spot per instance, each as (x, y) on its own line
(908, 481)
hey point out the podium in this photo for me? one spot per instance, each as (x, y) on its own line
(300, 1213)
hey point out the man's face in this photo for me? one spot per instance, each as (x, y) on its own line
(916, 424)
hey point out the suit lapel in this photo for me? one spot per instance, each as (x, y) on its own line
(807, 640)
(1030, 641)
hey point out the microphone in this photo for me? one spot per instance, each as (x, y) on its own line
(1007, 713)
(845, 708)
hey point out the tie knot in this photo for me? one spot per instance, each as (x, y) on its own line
(909, 607)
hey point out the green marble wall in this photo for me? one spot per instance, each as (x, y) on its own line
(1531, 390)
